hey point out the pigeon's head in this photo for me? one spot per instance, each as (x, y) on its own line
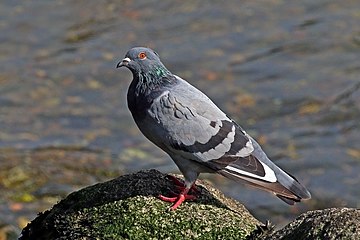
(142, 61)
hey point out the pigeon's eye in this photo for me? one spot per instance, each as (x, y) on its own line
(142, 55)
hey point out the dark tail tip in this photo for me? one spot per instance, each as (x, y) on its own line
(299, 195)
(290, 201)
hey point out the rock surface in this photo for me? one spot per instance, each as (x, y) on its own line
(332, 223)
(127, 208)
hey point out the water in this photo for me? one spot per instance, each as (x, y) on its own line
(288, 72)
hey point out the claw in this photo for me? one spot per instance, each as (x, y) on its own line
(174, 199)
(179, 198)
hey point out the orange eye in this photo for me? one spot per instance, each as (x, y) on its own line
(142, 55)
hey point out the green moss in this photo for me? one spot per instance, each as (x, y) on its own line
(140, 217)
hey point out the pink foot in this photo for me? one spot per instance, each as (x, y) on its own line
(178, 199)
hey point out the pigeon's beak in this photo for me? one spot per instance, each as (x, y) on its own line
(123, 62)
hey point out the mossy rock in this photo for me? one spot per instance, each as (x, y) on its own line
(330, 224)
(128, 208)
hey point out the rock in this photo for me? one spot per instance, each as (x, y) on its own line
(127, 208)
(332, 223)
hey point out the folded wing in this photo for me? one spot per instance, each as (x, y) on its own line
(199, 131)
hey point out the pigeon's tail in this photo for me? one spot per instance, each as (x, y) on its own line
(274, 180)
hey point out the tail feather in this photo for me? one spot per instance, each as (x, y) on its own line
(289, 201)
(293, 184)
(289, 194)
(267, 176)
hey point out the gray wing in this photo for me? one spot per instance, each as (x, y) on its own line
(196, 128)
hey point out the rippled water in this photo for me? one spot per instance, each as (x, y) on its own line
(288, 72)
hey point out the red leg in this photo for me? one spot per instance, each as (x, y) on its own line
(182, 196)
(176, 181)
(178, 200)
(180, 185)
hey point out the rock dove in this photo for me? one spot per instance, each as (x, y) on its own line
(198, 136)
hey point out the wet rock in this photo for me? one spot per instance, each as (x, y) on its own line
(127, 208)
(332, 223)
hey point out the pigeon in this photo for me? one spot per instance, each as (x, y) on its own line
(196, 134)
